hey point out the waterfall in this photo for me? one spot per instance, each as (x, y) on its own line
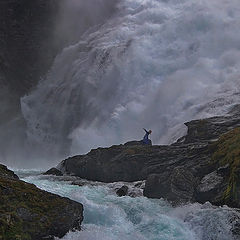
(152, 64)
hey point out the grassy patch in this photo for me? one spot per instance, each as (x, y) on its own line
(38, 210)
(227, 151)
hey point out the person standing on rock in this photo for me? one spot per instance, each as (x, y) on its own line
(146, 140)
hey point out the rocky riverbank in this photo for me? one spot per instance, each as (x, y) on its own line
(27, 212)
(201, 166)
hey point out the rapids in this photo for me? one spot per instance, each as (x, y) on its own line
(108, 217)
(152, 64)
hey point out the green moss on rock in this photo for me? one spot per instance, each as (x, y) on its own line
(5, 172)
(227, 151)
(27, 212)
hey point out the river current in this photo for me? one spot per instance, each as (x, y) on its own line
(109, 217)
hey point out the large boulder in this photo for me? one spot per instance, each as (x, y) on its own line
(211, 188)
(122, 191)
(27, 212)
(177, 187)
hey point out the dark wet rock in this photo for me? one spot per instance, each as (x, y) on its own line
(27, 212)
(26, 32)
(134, 163)
(6, 173)
(198, 167)
(224, 170)
(133, 143)
(32, 34)
(235, 222)
(210, 129)
(28, 47)
(53, 171)
(123, 191)
(78, 183)
(211, 188)
(177, 186)
(138, 184)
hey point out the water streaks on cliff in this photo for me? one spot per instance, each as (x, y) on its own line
(154, 63)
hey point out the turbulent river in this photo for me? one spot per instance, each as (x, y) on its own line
(108, 217)
(152, 64)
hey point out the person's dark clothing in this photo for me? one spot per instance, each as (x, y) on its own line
(146, 140)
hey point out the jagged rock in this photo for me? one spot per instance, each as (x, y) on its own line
(78, 183)
(235, 222)
(133, 143)
(139, 184)
(174, 171)
(177, 187)
(224, 170)
(27, 212)
(134, 163)
(6, 173)
(211, 188)
(122, 191)
(210, 129)
(53, 171)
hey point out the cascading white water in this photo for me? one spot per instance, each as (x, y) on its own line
(108, 217)
(154, 64)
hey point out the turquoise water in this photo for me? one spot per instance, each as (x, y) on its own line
(108, 217)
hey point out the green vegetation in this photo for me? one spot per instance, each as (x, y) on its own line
(27, 212)
(227, 151)
(24, 210)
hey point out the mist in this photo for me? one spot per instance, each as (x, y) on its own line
(76, 17)
(70, 19)
(152, 64)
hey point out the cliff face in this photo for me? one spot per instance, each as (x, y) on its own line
(202, 166)
(27, 48)
(26, 42)
(32, 33)
(27, 212)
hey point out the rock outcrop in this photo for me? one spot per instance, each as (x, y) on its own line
(122, 191)
(27, 42)
(53, 171)
(177, 187)
(27, 212)
(134, 163)
(6, 173)
(202, 166)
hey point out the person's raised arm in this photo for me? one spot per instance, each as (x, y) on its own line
(145, 130)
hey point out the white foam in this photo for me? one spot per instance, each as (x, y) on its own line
(107, 216)
(155, 64)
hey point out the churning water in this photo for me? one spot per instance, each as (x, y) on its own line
(153, 64)
(108, 217)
